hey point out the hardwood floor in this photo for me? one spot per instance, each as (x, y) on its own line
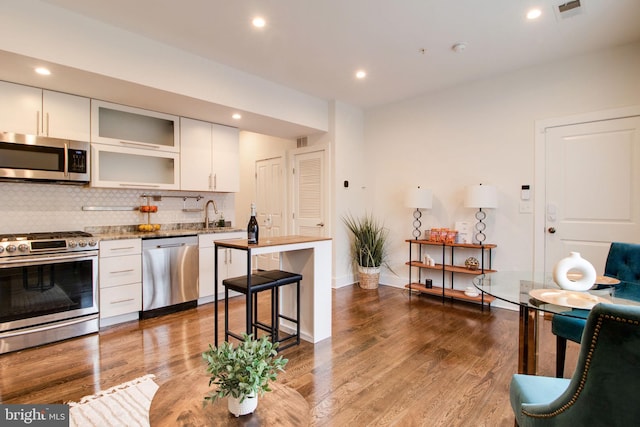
(390, 361)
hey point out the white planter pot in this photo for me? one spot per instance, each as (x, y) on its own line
(574, 262)
(245, 407)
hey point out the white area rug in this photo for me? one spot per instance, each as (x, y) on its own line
(122, 405)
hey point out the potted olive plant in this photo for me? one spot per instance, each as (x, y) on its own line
(243, 372)
(368, 248)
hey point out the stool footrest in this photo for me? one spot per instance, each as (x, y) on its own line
(290, 319)
(233, 334)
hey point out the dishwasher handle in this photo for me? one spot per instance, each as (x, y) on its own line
(173, 245)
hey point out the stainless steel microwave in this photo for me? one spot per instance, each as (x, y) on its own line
(43, 159)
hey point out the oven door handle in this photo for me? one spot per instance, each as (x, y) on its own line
(42, 259)
(47, 327)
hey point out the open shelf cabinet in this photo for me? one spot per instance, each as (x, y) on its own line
(448, 267)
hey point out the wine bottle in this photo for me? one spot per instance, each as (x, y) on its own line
(252, 227)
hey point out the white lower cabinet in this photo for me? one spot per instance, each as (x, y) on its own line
(120, 279)
(231, 263)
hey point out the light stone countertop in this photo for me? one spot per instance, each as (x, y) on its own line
(167, 230)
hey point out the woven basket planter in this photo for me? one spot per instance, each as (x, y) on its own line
(368, 277)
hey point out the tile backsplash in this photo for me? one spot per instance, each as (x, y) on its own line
(31, 207)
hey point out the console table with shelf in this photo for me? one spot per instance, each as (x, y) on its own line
(451, 268)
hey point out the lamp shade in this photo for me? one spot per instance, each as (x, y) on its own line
(481, 196)
(419, 198)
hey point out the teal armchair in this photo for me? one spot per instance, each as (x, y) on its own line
(623, 263)
(605, 387)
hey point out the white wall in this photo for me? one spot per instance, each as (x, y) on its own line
(253, 147)
(348, 162)
(484, 132)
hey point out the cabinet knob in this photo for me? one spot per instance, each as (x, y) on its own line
(551, 230)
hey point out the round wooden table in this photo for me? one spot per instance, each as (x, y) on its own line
(178, 402)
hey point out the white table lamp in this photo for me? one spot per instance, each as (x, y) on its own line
(481, 197)
(418, 198)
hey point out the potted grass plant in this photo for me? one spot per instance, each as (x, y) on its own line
(368, 248)
(243, 372)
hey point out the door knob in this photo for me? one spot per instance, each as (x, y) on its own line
(551, 230)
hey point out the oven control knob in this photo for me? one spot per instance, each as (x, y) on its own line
(92, 242)
(11, 248)
(1, 249)
(82, 243)
(72, 243)
(23, 247)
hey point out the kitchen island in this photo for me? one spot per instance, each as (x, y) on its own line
(306, 255)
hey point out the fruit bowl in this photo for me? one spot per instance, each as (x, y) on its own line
(148, 227)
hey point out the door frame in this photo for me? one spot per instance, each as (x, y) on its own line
(284, 204)
(540, 196)
(328, 227)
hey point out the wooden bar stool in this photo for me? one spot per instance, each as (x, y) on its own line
(284, 278)
(258, 284)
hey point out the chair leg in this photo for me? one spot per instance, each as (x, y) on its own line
(298, 313)
(275, 314)
(255, 315)
(226, 314)
(561, 351)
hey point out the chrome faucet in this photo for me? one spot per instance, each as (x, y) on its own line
(206, 212)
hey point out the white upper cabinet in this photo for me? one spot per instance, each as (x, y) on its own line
(133, 127)
(209, 157)
(20, 108)
(134, 148)
(196, 153)
(33, 111)
(66, 116)
(226, 159)
(123, 167)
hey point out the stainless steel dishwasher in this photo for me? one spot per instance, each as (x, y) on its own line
(169, 274)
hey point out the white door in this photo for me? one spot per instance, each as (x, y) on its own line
(592, 185)
(270, 200)
(310, 192)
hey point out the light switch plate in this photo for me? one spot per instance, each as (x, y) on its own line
(526, 207)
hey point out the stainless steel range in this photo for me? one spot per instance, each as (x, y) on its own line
(48, 288)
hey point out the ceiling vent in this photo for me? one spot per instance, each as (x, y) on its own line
(569, 9)
(302, 142)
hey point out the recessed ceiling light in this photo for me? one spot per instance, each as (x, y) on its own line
(236, 116)
(361, 74)
(258, 22)
(534, 14)
(459, 47)
(43, 71)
